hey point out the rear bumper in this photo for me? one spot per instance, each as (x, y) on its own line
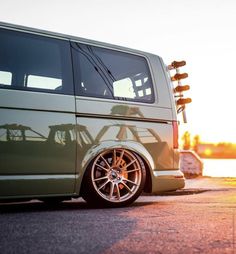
(168, 180)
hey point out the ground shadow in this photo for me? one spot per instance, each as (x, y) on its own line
(69, 227)
(38, 206)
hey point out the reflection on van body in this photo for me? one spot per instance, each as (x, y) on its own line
(101, 128)
(21, 142)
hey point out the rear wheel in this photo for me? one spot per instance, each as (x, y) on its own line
(115, 178)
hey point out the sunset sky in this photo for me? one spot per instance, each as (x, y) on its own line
(202, 32)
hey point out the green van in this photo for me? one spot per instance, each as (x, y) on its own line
(84, 118)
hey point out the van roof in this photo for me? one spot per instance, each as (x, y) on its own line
(69, 37)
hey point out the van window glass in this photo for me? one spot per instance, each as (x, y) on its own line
(124, 88)
(43, 82)
(111, 74)
(5, 78)
(34, 62)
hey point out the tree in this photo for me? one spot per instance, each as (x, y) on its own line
(196, 141)
(186, 140)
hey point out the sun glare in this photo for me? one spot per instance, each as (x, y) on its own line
(208, 152)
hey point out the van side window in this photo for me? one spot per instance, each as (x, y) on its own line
(35, 63)
(111, 74)
(5, 78)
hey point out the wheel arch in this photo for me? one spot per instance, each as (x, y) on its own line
(131, 146)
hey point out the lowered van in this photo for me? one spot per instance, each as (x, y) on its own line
(84, 118)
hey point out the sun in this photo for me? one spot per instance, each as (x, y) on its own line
(208, 152)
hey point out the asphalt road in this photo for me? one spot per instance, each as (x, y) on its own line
(199, 219)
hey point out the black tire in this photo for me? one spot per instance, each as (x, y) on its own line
(115, 178)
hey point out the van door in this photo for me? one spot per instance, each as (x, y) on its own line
(37, 109)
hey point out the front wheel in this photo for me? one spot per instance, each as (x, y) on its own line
(114, 178)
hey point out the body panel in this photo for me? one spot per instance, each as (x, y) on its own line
(167, 181)
(36, 142)
(13, 186)
(151, 141)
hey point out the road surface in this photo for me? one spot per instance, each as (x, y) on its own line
(199, 219)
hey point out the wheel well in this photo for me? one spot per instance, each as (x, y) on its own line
(148, 184)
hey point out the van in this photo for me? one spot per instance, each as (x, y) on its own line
(84, 118)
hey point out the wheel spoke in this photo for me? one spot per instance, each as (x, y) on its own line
(127, 187)
(111, 190)
(120, 158)
(114, 157)
(118, 191)
(127, 180)
(102, 167)
(104, 184)
(100, 178)
(131, 163)
(105, 162)
(132, 170)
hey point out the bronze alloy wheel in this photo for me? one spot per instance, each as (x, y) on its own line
(116, 177)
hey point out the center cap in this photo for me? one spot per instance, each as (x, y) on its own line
(114, 174)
